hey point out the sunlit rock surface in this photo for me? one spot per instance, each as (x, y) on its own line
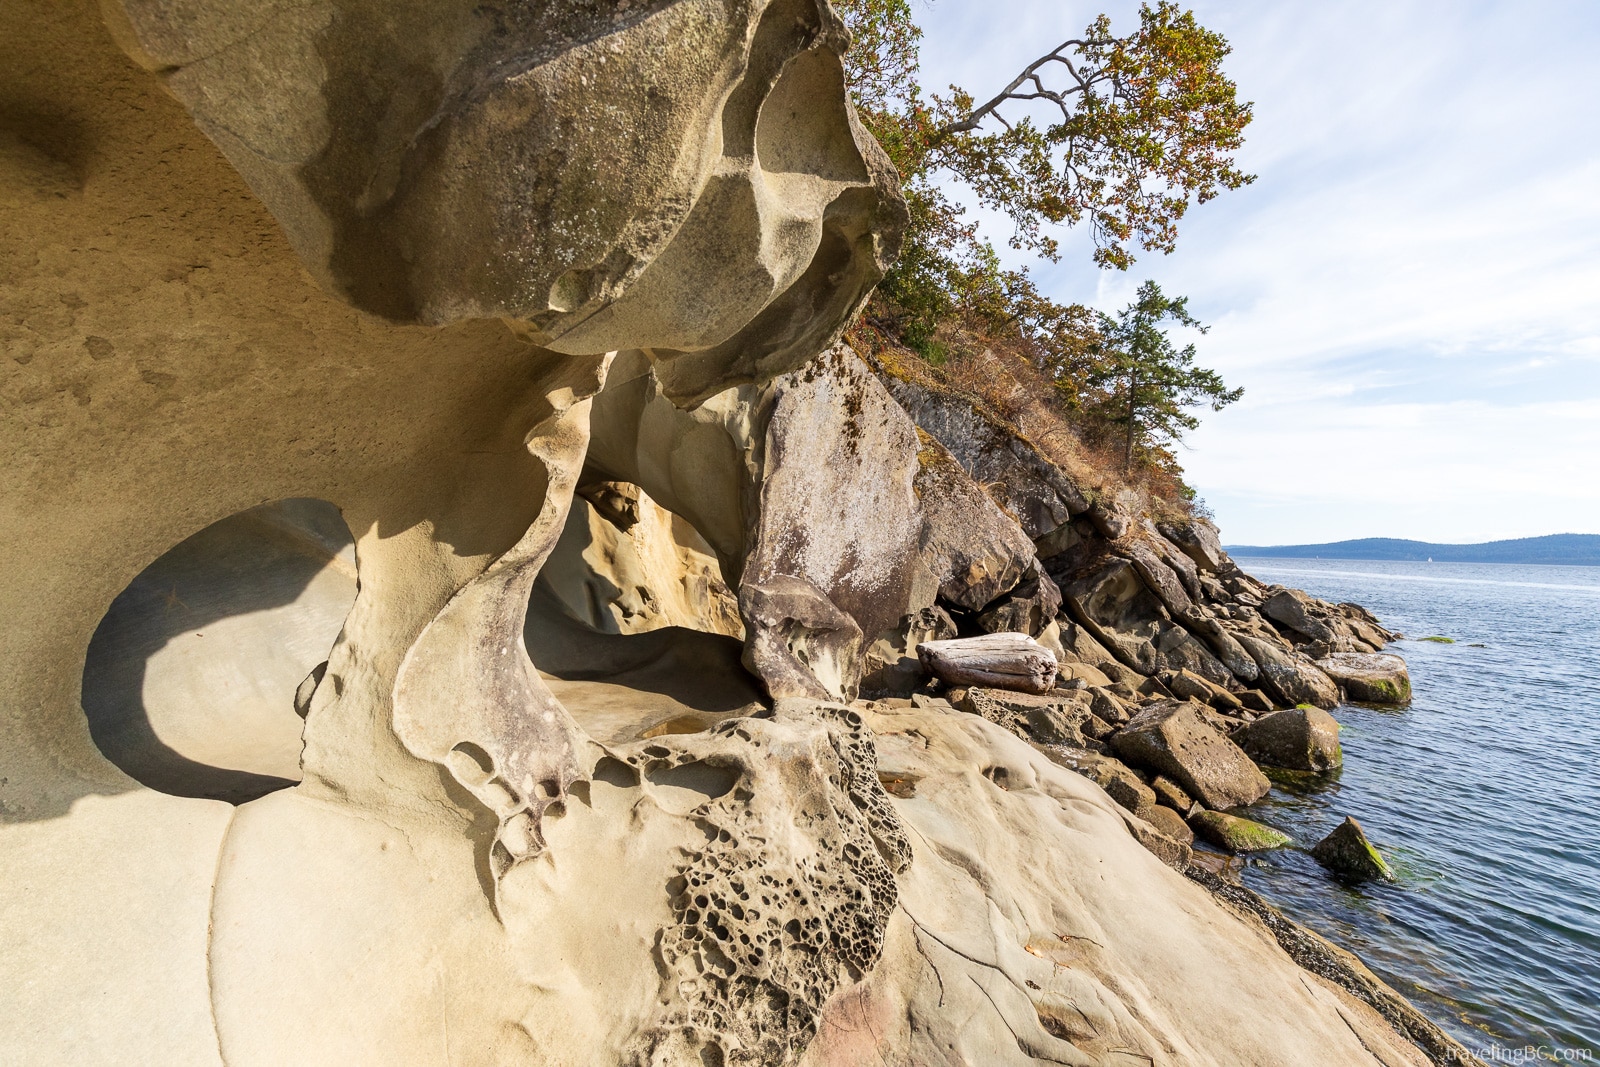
(446, 547)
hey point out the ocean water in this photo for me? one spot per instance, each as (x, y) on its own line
(1483, 793)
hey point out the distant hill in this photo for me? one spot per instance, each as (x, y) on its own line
(1571, 550)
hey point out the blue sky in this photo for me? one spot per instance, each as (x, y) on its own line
(1409, 293)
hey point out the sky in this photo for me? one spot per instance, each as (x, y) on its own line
(1410, 291)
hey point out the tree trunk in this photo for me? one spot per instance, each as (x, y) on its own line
(1133, 391)
(1005, 661)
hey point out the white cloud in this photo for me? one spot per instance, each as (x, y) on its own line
(1410, 292)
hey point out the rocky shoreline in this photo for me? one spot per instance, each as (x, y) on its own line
(467, 597)
(1178, 675)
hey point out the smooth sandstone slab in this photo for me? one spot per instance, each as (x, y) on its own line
(1034, 927)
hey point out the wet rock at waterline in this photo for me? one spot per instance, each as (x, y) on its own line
(1348, 854)
(1296, 739)
(1235, 834)
(1369, 678)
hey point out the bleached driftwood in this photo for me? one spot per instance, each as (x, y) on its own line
(1007, 661)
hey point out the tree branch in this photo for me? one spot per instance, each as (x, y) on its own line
(1029, 73)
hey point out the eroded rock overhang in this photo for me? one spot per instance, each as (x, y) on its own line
(444, 267)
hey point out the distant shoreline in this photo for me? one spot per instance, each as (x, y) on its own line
(1554, 550)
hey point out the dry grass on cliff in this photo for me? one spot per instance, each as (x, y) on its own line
(999, 373)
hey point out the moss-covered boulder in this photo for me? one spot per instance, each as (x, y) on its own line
(1347, 853)
(1235, 834)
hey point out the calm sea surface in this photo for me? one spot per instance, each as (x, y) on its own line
(1483, 793)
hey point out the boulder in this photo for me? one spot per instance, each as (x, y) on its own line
(1291, 679)
(1112, 600)
(1168, 822)
(1232, 654)
(1190, 686)
(1130, 792)
(1105, 704)
(1159, 578)
(1187, 685)
(1366, 624)
(1109, 519)
(1172, 738)
(1298, 739)
(1105, 770)
(1235, 834)
(1200, 542)
(1347, 853)
(1172, 795)
(1298, 611)
(1364, 633)
(1177, 649)
(890, 667)
(1255, 700)
(1008, 661)
(1080, 643)
(1226, 702)
(1061, 717)
(1058, 725)
(974, 550)
(1070, 670)
(1153, 687)
(1170, 851)
(1126, 693)
(1096, 728)
(1369, 677)
(1029, 608)
(1175, 558)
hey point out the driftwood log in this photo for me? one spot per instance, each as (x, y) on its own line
(1006, 661)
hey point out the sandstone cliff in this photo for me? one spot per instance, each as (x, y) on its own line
(462, 596)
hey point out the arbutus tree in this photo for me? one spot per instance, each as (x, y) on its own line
(1119, 132)
(1136, 128)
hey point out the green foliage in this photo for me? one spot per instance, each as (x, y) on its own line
(1139, 126)
(1134, 129)
(1135, 378)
